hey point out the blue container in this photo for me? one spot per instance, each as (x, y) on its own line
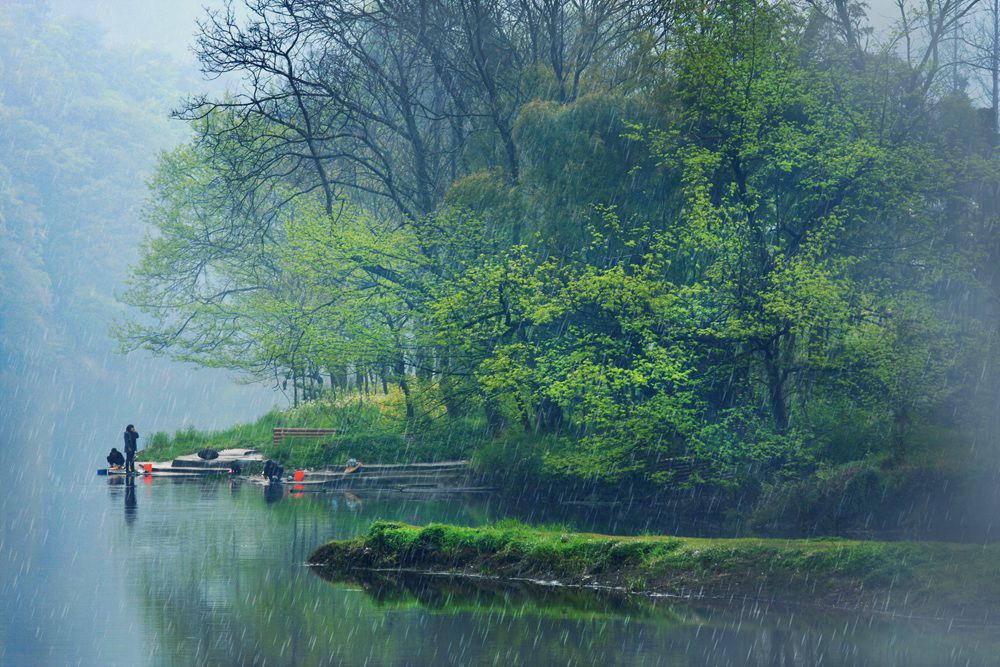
(102, 471)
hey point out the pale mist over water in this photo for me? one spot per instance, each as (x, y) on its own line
(95, 571)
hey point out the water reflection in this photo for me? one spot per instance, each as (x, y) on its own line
(236, 592)
(217, 577)
(612, 627)
(273, 492)
(351, 501)
(131, 505)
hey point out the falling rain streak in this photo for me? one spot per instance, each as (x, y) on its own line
(709, 270)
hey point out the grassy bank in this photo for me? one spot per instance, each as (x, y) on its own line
(910, 578)
(369, 428)
(928, 495)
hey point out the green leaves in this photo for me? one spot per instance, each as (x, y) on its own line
(751, 256)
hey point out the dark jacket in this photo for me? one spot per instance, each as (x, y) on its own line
(273, 471)
(130, 439)
(115, 458)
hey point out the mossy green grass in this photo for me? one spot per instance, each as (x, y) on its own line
(925, 579)
(372, 429)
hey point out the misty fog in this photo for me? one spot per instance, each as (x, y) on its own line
(533, 272)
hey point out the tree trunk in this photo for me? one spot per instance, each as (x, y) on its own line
(494, 418)
(404, 386)
(900, 430)
(995, 66)
(549, 416)
(449, 392)
(776, 377)
(359, 378)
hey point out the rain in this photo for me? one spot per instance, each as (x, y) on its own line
(569, 332)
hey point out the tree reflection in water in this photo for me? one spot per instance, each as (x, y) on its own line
(222, 581)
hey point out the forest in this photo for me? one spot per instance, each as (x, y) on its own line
(79, 128)
(81, 122)
(760, 236)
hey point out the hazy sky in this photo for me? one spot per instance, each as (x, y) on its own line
(166, 25)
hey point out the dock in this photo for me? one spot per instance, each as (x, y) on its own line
(417, 478)
(438, 477)
(190, 465)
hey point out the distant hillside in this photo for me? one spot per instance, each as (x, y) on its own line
(80, 129)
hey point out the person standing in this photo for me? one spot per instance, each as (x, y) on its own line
(131, 437)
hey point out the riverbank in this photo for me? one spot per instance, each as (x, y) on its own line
(932, 580)
(924, 496)
(371, 428)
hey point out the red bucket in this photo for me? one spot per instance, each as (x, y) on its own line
(300, 475)
(148, 467)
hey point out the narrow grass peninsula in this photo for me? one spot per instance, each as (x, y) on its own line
(932, 580)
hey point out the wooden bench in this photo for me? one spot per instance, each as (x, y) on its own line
(683, 467)
(282, 433)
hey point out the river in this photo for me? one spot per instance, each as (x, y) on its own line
(170, 572)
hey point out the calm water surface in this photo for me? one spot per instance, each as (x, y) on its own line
(211, 573)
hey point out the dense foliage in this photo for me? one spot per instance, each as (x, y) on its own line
(723, 230)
